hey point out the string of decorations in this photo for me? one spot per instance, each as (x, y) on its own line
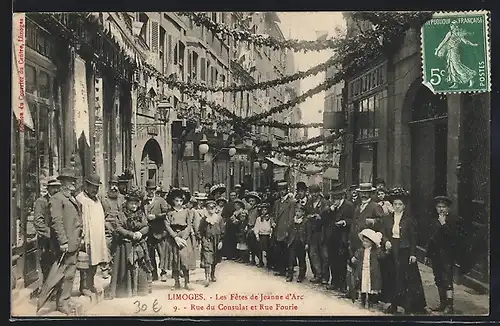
(173, 82)
(201, 19)
(286, 125)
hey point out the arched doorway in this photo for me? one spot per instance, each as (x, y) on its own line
(151, 162)
(429, 137)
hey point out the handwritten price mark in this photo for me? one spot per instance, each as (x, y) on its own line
(142, 307)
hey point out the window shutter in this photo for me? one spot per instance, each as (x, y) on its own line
(203, 66)
(155, 31)
(190, 64)
(169, 49)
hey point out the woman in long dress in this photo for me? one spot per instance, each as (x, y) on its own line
(132, 266)
(211, 232)
(402, 277)
(180, 256)
(457, 72)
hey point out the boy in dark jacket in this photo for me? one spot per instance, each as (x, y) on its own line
(297, 244)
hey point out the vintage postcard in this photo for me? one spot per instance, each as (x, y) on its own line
(200, 164)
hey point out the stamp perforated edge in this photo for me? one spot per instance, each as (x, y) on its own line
(487, 22)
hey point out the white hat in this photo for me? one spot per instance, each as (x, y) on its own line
(375, 237)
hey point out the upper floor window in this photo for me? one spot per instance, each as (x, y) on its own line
(143, 18)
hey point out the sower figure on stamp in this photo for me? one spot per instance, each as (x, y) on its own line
(41, 223)
(179, 247)
(442, 252)
(336, 239)
(156, 208)
(93, 232)
(112, 203)
(297, 242)
(316, 210)
(67, 235)
(283, 213)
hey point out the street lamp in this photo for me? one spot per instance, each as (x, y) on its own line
(232, 149)
(203, 147)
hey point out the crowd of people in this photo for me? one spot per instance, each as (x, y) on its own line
(359, 240)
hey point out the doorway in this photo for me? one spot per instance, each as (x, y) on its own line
(151, 162)
(429, 138)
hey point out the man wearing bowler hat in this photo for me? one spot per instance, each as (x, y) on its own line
(301, 193)
(367, 214)
(156, 209)
(336, 235)
(41, 222)
(443, 252)
(66, 234)
(94, 233)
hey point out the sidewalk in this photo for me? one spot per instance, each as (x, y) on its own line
(24, 306)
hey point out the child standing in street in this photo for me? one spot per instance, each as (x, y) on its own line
(367, 266)
(263, 230)
(239, 219)
(297, 244)
(211, 231)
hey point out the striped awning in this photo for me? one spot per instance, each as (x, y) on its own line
(276, 162)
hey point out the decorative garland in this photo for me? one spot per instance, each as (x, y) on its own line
(398, 19)
(173, 82)
(285, 125)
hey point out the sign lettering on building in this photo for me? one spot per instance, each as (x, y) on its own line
(368, 81)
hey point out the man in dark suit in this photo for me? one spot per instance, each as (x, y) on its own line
(368, 214)
(336, 239)
(41, 222)
(66, 234)
(156, 209)
(282, 216)
(316, 210)
(297, 244)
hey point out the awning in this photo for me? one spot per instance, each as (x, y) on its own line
(331, 173)
(276, 162)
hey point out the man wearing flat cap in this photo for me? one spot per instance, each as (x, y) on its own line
(94, 233)
(112, 204)
(41, 222)
(443, 251)
(66, 234)
(316, 210)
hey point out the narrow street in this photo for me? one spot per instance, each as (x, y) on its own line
(236, 280)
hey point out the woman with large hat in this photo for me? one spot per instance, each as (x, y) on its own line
(401, 279)
(180, 256)
(132, 267)
(217, 190)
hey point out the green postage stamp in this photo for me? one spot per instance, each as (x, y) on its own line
(456, 52)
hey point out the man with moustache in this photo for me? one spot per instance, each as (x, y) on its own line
(336, 239)
(301, 195)
(112, 204)
(282, 215)
(316, 210)
(94, 234)
(156, 209)
(41, 223)
(66, 235)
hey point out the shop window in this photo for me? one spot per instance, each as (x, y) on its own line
(365, 167)
(366, 111)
